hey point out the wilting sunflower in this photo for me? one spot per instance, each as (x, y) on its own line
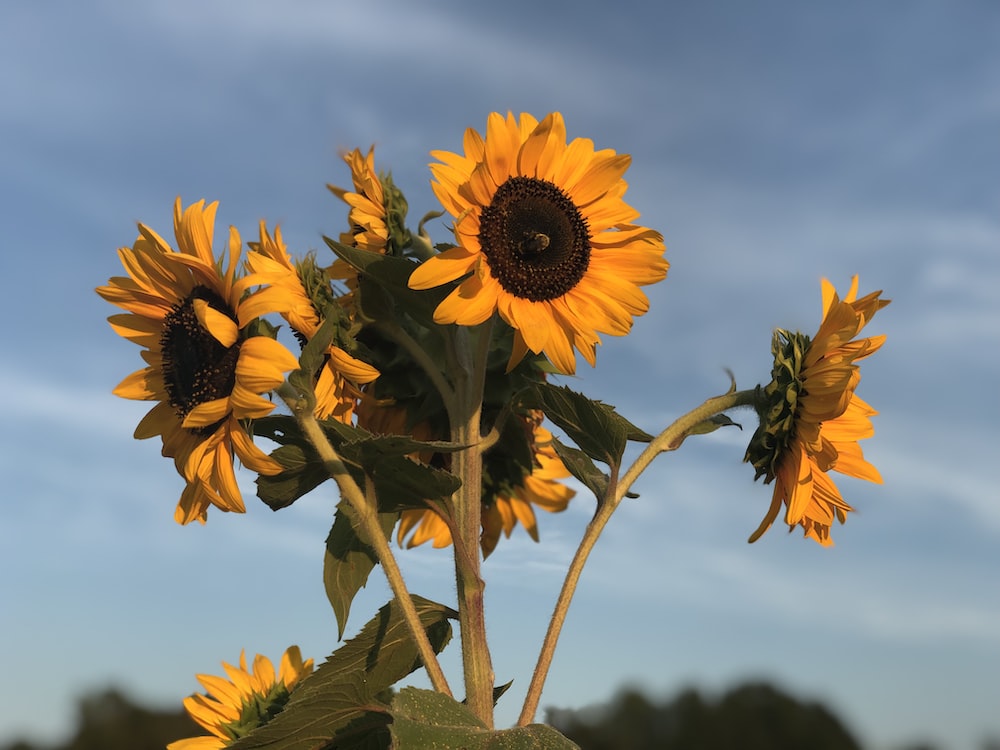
(544, 236)
(307, 287)
(504, 506)
(811, 419)
(204, 370)
(248, 699)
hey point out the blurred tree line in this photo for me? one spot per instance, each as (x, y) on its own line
(754, 716)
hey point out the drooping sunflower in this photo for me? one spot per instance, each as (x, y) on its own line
(544, 237)
(811, 419)
(204, 370)
(308, 288)
(248, 699)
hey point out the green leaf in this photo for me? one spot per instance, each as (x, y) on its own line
(583, 468)
(313, 356)
(712, 424)
(403, 484)
(302, 470)
(348, 561)
(595, 427)
(393, 274)
(425, 719)
(706, 426)
(343, 703)
(400, 483)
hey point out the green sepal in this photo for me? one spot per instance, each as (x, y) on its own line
(777, 403)
(426, 719)
(594, 426)
(344, 703)
(348, 561)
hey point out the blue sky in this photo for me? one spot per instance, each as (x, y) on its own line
(773, 144)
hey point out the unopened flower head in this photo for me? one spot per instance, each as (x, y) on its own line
(811, 419)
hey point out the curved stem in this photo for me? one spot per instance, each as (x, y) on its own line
(366, 514)
(668, 440)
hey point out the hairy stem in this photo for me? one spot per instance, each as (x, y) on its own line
(668, 440)
(466, 430)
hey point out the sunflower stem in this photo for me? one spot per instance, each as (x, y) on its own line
(366, 514)
(668, 440)
(466, 430)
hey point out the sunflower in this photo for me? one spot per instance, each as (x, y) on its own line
(307, 287)
(234, 707)
(203, 369)
(811, 418)
(503, 507)
(367, 215)
(544, 237)
(377, 218)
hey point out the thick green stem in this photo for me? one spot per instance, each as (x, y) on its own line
(668, 440)
(466, 430)
(366, 514)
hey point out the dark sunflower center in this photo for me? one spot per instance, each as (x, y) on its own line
(196, 367)
(535, 240)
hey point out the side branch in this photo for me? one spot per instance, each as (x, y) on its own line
(668, 440)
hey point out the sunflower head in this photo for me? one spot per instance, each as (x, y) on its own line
(811, 418)
(777, 402)
(248, 699)
(520, 473)
(544, 238)
(206, 367)
(377, 214)
(312, 302)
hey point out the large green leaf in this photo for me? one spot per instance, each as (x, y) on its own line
(594, 426)
(348, 561)
(425, 719)
(344, 703)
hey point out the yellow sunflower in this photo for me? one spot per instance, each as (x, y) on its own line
(205, 372)
(337, 385)
(367, 215)
(544, 237)
(248, 699)
(811, 418)
(506, 507)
